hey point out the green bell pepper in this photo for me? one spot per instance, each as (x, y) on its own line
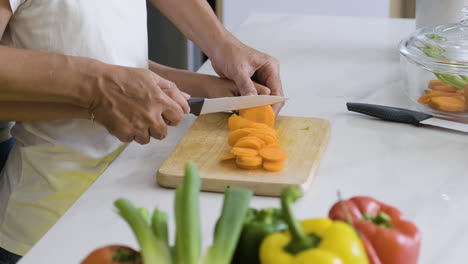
(257, 225)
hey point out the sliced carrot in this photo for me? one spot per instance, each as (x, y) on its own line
(237, 134)
(268, 139)
(273, 166)
(249, 160)
(244, 151)
(237, 122)
(250, 142)
(461, 91)
(272, 154)
(244, 167)
(263, 127)
(432, 83)
(273, 145)
(227, 157)
(261, 114)
(448, 104)
(439, 85)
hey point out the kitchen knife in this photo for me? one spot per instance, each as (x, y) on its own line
(200, 106)
(402, 115)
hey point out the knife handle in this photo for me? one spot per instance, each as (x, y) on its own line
(196, 105)
(388, 113)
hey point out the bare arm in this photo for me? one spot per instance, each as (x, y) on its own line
(29, 104)
(197, 21)
(197, 84)
(230, 58)
(132, 103)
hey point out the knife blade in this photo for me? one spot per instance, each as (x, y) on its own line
(200, 106)
(402, 115)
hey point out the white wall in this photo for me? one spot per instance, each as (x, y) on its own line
(236, 11)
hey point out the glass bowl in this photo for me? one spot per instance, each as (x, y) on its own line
(434, 63)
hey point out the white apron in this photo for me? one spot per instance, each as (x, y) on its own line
(54, 162)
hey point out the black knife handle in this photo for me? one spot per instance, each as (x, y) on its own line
(388, 113)
(196, 105)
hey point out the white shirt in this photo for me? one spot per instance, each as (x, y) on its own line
(53, 162)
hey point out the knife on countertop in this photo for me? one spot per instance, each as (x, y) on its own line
(402, 115)
(200, 106)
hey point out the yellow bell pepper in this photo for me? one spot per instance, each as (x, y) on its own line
(313, 241)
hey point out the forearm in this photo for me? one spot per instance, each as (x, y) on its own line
(197, 21)
(37, 111)
(30, 76)
(195, 84)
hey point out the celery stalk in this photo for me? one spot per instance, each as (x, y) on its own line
(152, 249)
(229, 226)
(159, 226)
(187, 215)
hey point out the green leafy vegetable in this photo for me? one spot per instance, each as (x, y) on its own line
(437, 52)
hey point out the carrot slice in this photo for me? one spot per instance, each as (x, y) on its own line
(272, 154)
(227, 157)
(273, 145)
(263, 127)
(249, 160)
(261, 114)
(244, 151)
(273, 166)
(235, 135)
(237, 122)
(250, 142)
(244, 167)
(448, 104)
(268, 139)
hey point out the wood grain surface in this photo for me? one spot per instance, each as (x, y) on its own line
(303, 138)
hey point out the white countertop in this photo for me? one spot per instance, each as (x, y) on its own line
(326, 62)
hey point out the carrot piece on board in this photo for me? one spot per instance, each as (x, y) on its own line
(268, 139)
(244, 151)
(237, 134)
(237, 122)
(273, 166)
(227, 157)
(272, 154)
(261, 114)
(461, 91)
(263, 127)
(249, 161)
(273, 145)
(250, 142)
(448, 104)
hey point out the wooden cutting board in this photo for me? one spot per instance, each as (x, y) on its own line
(303, 138)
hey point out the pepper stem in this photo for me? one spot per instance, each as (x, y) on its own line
(299, 239)
(381, 219)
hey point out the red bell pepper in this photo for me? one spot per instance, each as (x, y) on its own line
(387, 237)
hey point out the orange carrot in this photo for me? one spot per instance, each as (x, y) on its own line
(272, 154)
(441, 86)
(261, 114)
(251, 161)
(227, 157)
(237, 122)
(237, 134)
(273, 166)
(244, 151)
(448, 104)
(250, 142)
